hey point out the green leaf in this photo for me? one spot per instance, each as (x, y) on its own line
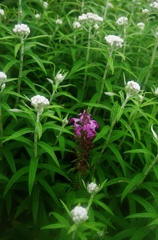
(53, 169)
(143, 215)
(18, 134)
(16, 177)
(32, 173)
(148, 207)
(35, 202)
(9, 65)
(16, 49)
(23, 206)
(66, 208)
(144, 151)
(25, 231)
(37, 60)
(49, 150)
(55, 226)
(48, 189)
(102, 133)
(4, 178)
(103, 205)
(9, 158)
(65, 94)
(61, 140)
(140, 233)
(118, 156)
(111, 64)
(134, 181)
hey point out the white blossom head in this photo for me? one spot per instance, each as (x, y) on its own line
(45, 5)
(122, 21)
(79, 214)
(141, 26)
(39, 103)
(1, 12)
(76, 24)
(88, 17)
(22, 30)
(37, 16)
(60, 77)
(132, 87)
(96, 26)
(59, 22)
(3, 77)
(145, 11)
(154, 5)
(114, 41)
(109, 5)
(156, 92)
(92, 188)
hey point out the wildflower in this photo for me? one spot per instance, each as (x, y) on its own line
(39, 102)
(3, 77)
(90, 17)
(122, 21)
(92, 188)
(114, 41)
(96, 26)
(109, 5)
(22, 30)
(76, 24)
(156, 92)
(59, 21)
(60, 77)
(132, 87)
(154, 5)
(84, 126)
(141, 25)
(37, 16)
(79, 214)
(145, 11)
(45, 5)
(1, 12)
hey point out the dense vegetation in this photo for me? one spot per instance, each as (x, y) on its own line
(78, 120)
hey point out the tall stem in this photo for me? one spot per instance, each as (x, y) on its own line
(20, 68)
(19, 12)
(151, 62)
(36, 135)
(87, 56)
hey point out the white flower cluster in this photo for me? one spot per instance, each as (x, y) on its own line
(114, 41)
(122, 21)
(132, 87)
(109, 5)
(90, 16)
(22, 30)
(1, 12)
(92, 188)
(59, 77)
(79, 214)
(145, 11)
(76, 25)
(3, 77)
(45, 5)
(37, 16)
(154, 5)
(39, 102)
(141, 25)
(59, 22)
(156, 92)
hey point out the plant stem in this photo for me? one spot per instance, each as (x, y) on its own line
(87, 56)
(36, 135)
(151, 62)
(19, 12)
(20, 68)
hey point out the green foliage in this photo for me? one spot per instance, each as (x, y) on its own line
(75, 69)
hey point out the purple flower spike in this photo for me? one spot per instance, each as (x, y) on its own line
(84, 126)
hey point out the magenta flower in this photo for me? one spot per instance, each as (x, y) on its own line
(84, 126)
(85, 131)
